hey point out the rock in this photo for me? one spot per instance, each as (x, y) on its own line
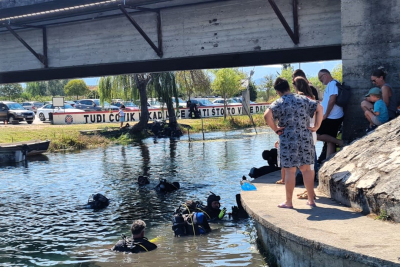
(366, 174)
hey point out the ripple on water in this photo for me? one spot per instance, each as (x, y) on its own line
(43, 221)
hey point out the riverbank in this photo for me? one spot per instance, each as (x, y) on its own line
(328, 235)
(68, 137)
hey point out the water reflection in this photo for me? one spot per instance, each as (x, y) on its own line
(43, 222)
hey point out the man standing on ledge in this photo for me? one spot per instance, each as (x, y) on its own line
(333, 114)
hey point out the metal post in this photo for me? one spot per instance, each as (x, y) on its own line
(45, 59)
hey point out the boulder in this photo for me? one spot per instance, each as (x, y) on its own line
(365, 175)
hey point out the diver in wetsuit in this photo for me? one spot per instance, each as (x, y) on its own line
(138, 243)
(212, 210)
(189, 219)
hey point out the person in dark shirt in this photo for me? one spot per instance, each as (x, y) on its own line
(213, 211)
(138, 243)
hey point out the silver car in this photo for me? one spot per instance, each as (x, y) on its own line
(32, 106)
(16, 113)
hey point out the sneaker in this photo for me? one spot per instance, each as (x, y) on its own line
(371, 128)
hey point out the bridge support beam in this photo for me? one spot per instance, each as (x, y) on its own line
(294, 35)
(42, 58)
(158, 49)
(370, 39)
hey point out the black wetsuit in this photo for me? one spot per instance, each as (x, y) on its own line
(212, 214)
(200, 228)
(138, 245)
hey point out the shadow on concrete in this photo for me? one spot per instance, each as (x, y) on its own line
(333, 212)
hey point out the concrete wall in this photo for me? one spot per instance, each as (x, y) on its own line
(18, 3)
(284, 249)
(370, 39)
(210, 29)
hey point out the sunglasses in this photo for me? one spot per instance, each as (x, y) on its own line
(374, 81)
(320, 77)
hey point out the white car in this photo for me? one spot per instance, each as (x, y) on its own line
(220, 101)
(43, 112)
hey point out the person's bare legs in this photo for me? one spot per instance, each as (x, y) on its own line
(308, 178)
(330, 149)
(368, 114)
(330, 143)
(290, 182)
(329, 139)
(366, 105)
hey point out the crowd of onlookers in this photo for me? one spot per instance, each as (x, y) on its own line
(300, 119)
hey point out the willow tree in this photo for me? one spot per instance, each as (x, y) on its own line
(193, 81)
(141, 81)
(105, 89)
(165, 88)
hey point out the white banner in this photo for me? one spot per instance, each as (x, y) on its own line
(154, 114)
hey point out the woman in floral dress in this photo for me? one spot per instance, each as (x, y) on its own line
(293, 113)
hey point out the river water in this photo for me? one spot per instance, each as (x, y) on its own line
(43, 221)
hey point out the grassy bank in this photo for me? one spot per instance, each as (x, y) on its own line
(68, 137)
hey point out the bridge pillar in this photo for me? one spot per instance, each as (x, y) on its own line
(370, 39)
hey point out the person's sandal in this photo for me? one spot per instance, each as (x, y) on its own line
(280, 182)
(304, 196)
(299, 194)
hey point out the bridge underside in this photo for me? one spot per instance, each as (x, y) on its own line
(199, 62)
(109, 37)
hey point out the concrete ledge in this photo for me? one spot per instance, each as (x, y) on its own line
(329, 235)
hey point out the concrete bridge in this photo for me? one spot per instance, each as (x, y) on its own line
(54, 39)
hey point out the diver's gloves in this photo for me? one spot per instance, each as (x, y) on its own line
(222, 213)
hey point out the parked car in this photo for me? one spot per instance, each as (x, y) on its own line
(12, 111)
(32, 106)
(129, 105)
(239, 100)
(202, 102)
(43, 112)
(221, 101)
(72, 103)
(181, 102)
(94, 105)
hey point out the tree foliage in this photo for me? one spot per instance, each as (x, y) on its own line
(266, 91)
(286, 73)
(36, 88)
(193, 82)
(337, 73)
(105, 89)
(227, 83)
(118, 87)
(76, 88)
(164, 85)
(56, 87)
(46, 88)
(10, 91)
(253, 91)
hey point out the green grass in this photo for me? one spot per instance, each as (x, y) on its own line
(68, 137)
(383, 216)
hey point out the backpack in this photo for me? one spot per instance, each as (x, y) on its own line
(344, 93)
(188, 224)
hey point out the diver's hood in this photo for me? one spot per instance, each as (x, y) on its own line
(212, 198)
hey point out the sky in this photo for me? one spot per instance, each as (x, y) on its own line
(311, 69)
